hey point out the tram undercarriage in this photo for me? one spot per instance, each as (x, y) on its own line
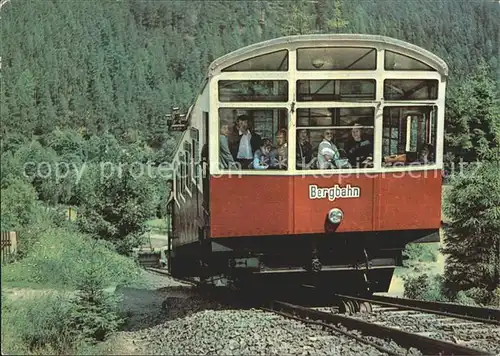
(344, 263)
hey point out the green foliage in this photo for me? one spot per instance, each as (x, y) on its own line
(17, 205)
(60, 322)
(95, 312)
(38, 324)
(115, 203)
(475, 295)
(472, 240)
(421, 252)
(62, 258)
(42, 219)
(473, 117)
(424, 287)
(299, 21)
(125, 64)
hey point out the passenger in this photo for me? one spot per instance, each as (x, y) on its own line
(425, 155)
(327, 156)
(359, 149)
(279, 155)
(226, 160)
(243, 143)
(261, 157)
(304, 149)
(323, 162)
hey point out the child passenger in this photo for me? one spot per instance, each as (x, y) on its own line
(261, 157)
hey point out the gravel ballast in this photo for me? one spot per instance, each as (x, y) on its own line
(247, 332)
(169, 317)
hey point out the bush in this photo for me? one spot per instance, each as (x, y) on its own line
(38, 324)
(59, 323)
(67, 322)
(424, 287)
(96, 312)
(422, 252)
(61, 258)
(477, 296)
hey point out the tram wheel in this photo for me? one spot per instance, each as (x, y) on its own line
(365, 307)
(343, 307)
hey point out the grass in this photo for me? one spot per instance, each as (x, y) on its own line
(40, 311)
(61, 258)
(157, 224)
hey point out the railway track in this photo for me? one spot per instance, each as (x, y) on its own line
(477, 314)
(469, 326)
(379, 319)
(350, 326)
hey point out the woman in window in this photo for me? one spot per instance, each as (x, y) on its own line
(327, 151)
(261, 158)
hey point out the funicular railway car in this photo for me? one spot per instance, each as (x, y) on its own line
(310, 159)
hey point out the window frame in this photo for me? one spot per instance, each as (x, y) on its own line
(410, 79)
(260, 107)
(368, 48)
(430, 137)
(196, 161)
(388, 51)
(293, 75)
(285, 59)
(335, 94)
(279, 82)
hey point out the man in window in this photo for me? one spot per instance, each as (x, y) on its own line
(279, 155)
(225, 158)
(243, 142)
(359, 149)
(304, 149)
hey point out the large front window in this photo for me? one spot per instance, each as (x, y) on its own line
(409, 135)
(330, 100)
(253, 139)
(335, 138)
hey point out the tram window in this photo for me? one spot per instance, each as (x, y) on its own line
(177, 180)
(189, 164)
(337, 58)
(196, 154)
(275, 61)
(253, 90)
(183, 172)
(409, 135)
(397, 61)
(336, 90)
(253, 139)
(335, 138)
(410, 89)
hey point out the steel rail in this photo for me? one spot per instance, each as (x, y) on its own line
(466, 312)
(425, 344)
(346, 333)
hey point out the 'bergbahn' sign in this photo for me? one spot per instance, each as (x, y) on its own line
(334, 192)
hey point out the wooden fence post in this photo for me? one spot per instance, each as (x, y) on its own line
(9, 245)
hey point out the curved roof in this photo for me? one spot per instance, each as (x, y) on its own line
(292, 42)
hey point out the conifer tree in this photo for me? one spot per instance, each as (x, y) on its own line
(472, 241)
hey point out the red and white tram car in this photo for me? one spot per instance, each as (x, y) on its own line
(310, 159)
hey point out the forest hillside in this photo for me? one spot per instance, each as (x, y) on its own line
(118, 66)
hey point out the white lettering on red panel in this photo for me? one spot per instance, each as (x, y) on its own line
(334, 192)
